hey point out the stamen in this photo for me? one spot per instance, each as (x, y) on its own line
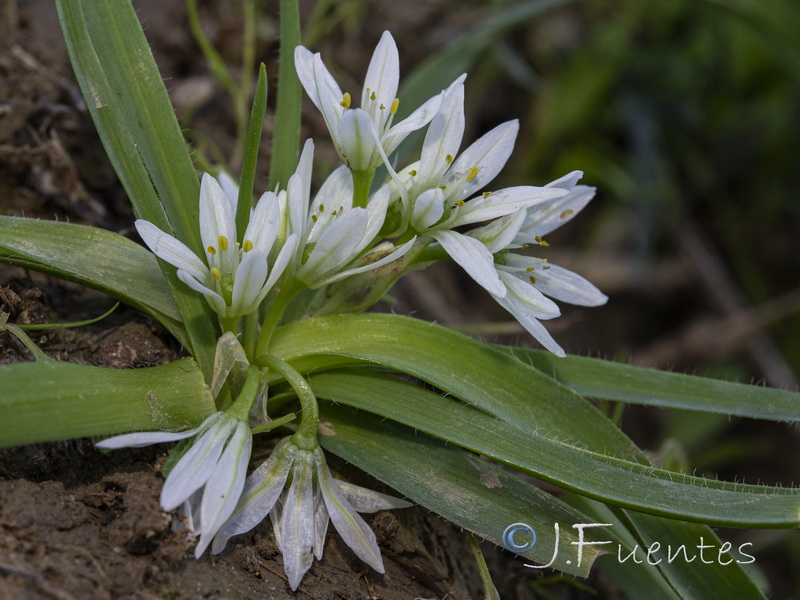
(395, 104)
(541, 242)
(223, 243)
(545, 267)
(487, 194)
(567, 213)
(458, 203)
(321, 208)
(473, 173)
(533, 279)
(314, 218)
(247, 246)
(346, 100)
(382, 107)
(216, 274)
(529, 269)
(449, 159)
(413, 172)
(373, 96)
(211, 250)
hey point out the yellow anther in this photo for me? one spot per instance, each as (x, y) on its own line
(395, 104)
(223, 243)
(541, 242)
(346, 100)
(449, 159)
(487, 194)
(247, 246)
(211, 250)
(216, 274)
(413, 172)
(442, 187)
(314, 218)
(459, 203)
(473, 173)
(321, 208)
(546, 267)
(567, 213)
(533, 279)
(382, 107)
(373, 96)
(529, 269)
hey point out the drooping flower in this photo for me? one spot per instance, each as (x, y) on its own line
(363, 136)
(233, 278)
(208, 479)
(331, 231)
(528, 280)
(301, 511)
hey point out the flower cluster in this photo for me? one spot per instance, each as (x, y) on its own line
(437, 205)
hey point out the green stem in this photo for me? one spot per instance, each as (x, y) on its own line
(14, 330)
(250, 337)
(230, 324)
(489, 591)
(362, 182)
(305, 437)
(241, 408)
(274, 314)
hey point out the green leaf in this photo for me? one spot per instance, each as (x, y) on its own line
(93, 257)
(131, 110)
(286, 137)
(49, 400)
(473, 493)
(568, 465)
(608, 380)
(474, 372)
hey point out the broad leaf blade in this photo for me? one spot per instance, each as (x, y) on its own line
(93, 257)
(608, 380)
(473, 493)
(602, 477)
(49, 400)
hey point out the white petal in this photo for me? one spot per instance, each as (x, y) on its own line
(383, 75)
(568, 181)
(195, 467)
(225, 485)
(248, 283)
(564, 285)
(304, 65)
(428, 209)
(350, 526)
(357, 136)
(443, 137)
(474, 258)
(297, 523)
(376, 215)
(501, 203)
(169, 249)
(554, 214)
(261, 491)
(329, 96)
(365, 500)
(321, 521)
(336, 247)
(336, 196)
(528, 298)
(146, 438)
(498, 234)
(488, 156)
(371, 265)
(212, 297)
(416, 120)
(217, 219)
(230, 187)
(518, 303)
(264, 221)
(278, 267)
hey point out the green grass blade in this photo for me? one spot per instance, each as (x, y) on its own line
(474, 372)
(49, 400)
(570, 466)
(608, 380)
(252, 142)
(473, 493)
(286, 137)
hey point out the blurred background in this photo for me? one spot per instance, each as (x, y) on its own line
(685, 114)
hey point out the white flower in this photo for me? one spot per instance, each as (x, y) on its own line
(331, 231)
(300, 513)
(527, 280)
(234, 279)
(215, 467)
(363, 136)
